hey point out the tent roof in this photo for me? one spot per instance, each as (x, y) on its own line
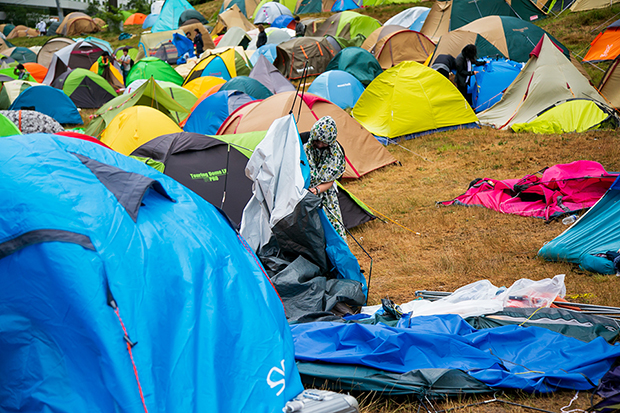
(358, 62)
(268, 75)
(170, 14)
(153, 67)
(232, 18)
(610, 84)
(49, 101)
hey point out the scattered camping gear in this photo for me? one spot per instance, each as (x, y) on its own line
(149, 94)
(135, 19)
(610, 84)
(347, 24)
(363, 153)
(384, 107)
(573, 115)
(49, 101)
(411, 18)
(170, 14)
(247, 85)
(86, 89)
(135, 126)
(606, 45)
(130, 218)
(44, 57)
(592, 241)
(30, 121)
(315, 53)
(155, 68)
(269, 11)
(268, 75)
(537, 88)
(340, 88)
(76, 23)
(552, 192)
(207, 117)
(357, 62)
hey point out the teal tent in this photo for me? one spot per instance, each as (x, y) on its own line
(170, 14)
(357, 62)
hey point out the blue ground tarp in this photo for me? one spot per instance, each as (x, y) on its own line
(531, 359)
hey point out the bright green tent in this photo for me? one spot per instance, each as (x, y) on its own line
(153, 67)
(348, 24)
(577, 115)
(149, 94)
(8, 128)
(87, 89)
(410, 99)
(182, 96)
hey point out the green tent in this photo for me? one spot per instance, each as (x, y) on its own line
(358, 62)
(8, 128)
(7, 29)
(247, 85)
(126, 13)
(347, 24)
(155, 68)
(149, 94)
(132, 52)
(577, 115)
(87, 89)
(182, 96)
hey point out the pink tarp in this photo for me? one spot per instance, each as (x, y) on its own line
(561, 189)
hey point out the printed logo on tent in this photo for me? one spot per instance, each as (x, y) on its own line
(210, 176)
(522, 29)
(301, 70)
(281, 382)
(607, 50)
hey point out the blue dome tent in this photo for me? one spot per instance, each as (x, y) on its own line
(50, 101)
(208, 115)
(168, 18)
(125, 291)
(339, 87)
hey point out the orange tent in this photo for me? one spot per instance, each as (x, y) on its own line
(606, 46)
(136, 18)
(36, 70)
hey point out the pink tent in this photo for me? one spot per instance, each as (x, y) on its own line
(547, 194)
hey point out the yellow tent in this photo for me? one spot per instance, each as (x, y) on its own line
(202, 84)
(135, 126)
(411, 99)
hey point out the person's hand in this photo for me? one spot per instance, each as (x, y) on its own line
(314, 190)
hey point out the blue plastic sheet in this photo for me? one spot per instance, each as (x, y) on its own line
(532, 359)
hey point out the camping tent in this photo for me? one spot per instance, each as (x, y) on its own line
(225, 64)
(606, 45)
(411, 18)
(207, 117)
(284, 21)
(357, 62)
(6, 28)
(316, 52)
(81, 54)
(76, 23)
(44, 57)
(610, 84)
(49, 101)
(135, 19)
(150, 21)
(232, 17)
(448, 15)
(235, 36)
(87, 89)
(149, 94)
(247, 85)
(192, 14)
(385, 107)
(181, 95)
(135, 126)
(246, 7)
(201, 85)
(275, 36)
(268, 75)
(347, 24)
(22, 31)
(581, 5)
(20, 54)
(153, 67)
(112, 74)
(393, 47)
(362, 151)
(268, 12)
(491, 81)
(495, 36)
(101, 220)
(151, 42)
(170, 14)
(547, 78)
(30, 121)
(10, 90)
(340, 88)
(7, 128)
(36, 70)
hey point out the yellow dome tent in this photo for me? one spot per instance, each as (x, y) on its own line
(411, 99)
(135, 126)
(200, 85)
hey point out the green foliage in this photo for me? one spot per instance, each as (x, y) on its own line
(139, 6)
(23, 15)
(113, 18)
(93, 8)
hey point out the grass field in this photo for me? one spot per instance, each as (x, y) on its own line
(444, 248)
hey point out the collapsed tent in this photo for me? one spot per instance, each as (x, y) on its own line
(155, 68)
(494, 36)
(44, 57)
(170, 14)
(76, 23)
(338, 87)
(384, 108)
(30, 121)
(225, 64)
(357, 62)
(247, 85)
(394, 46)
(149, 94)
(610, 84)
(592, 241)
(207, 117)
(363, 153)
(135, 126)
(86, 89)
(347, 24)
(448, 15)
(548, 194)
(268, 75)
(575, 115)
(606, 45)
(309, 264)
(49, 101)
(547, 78)
(313, 52)
(412, 18)
(122, 345)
